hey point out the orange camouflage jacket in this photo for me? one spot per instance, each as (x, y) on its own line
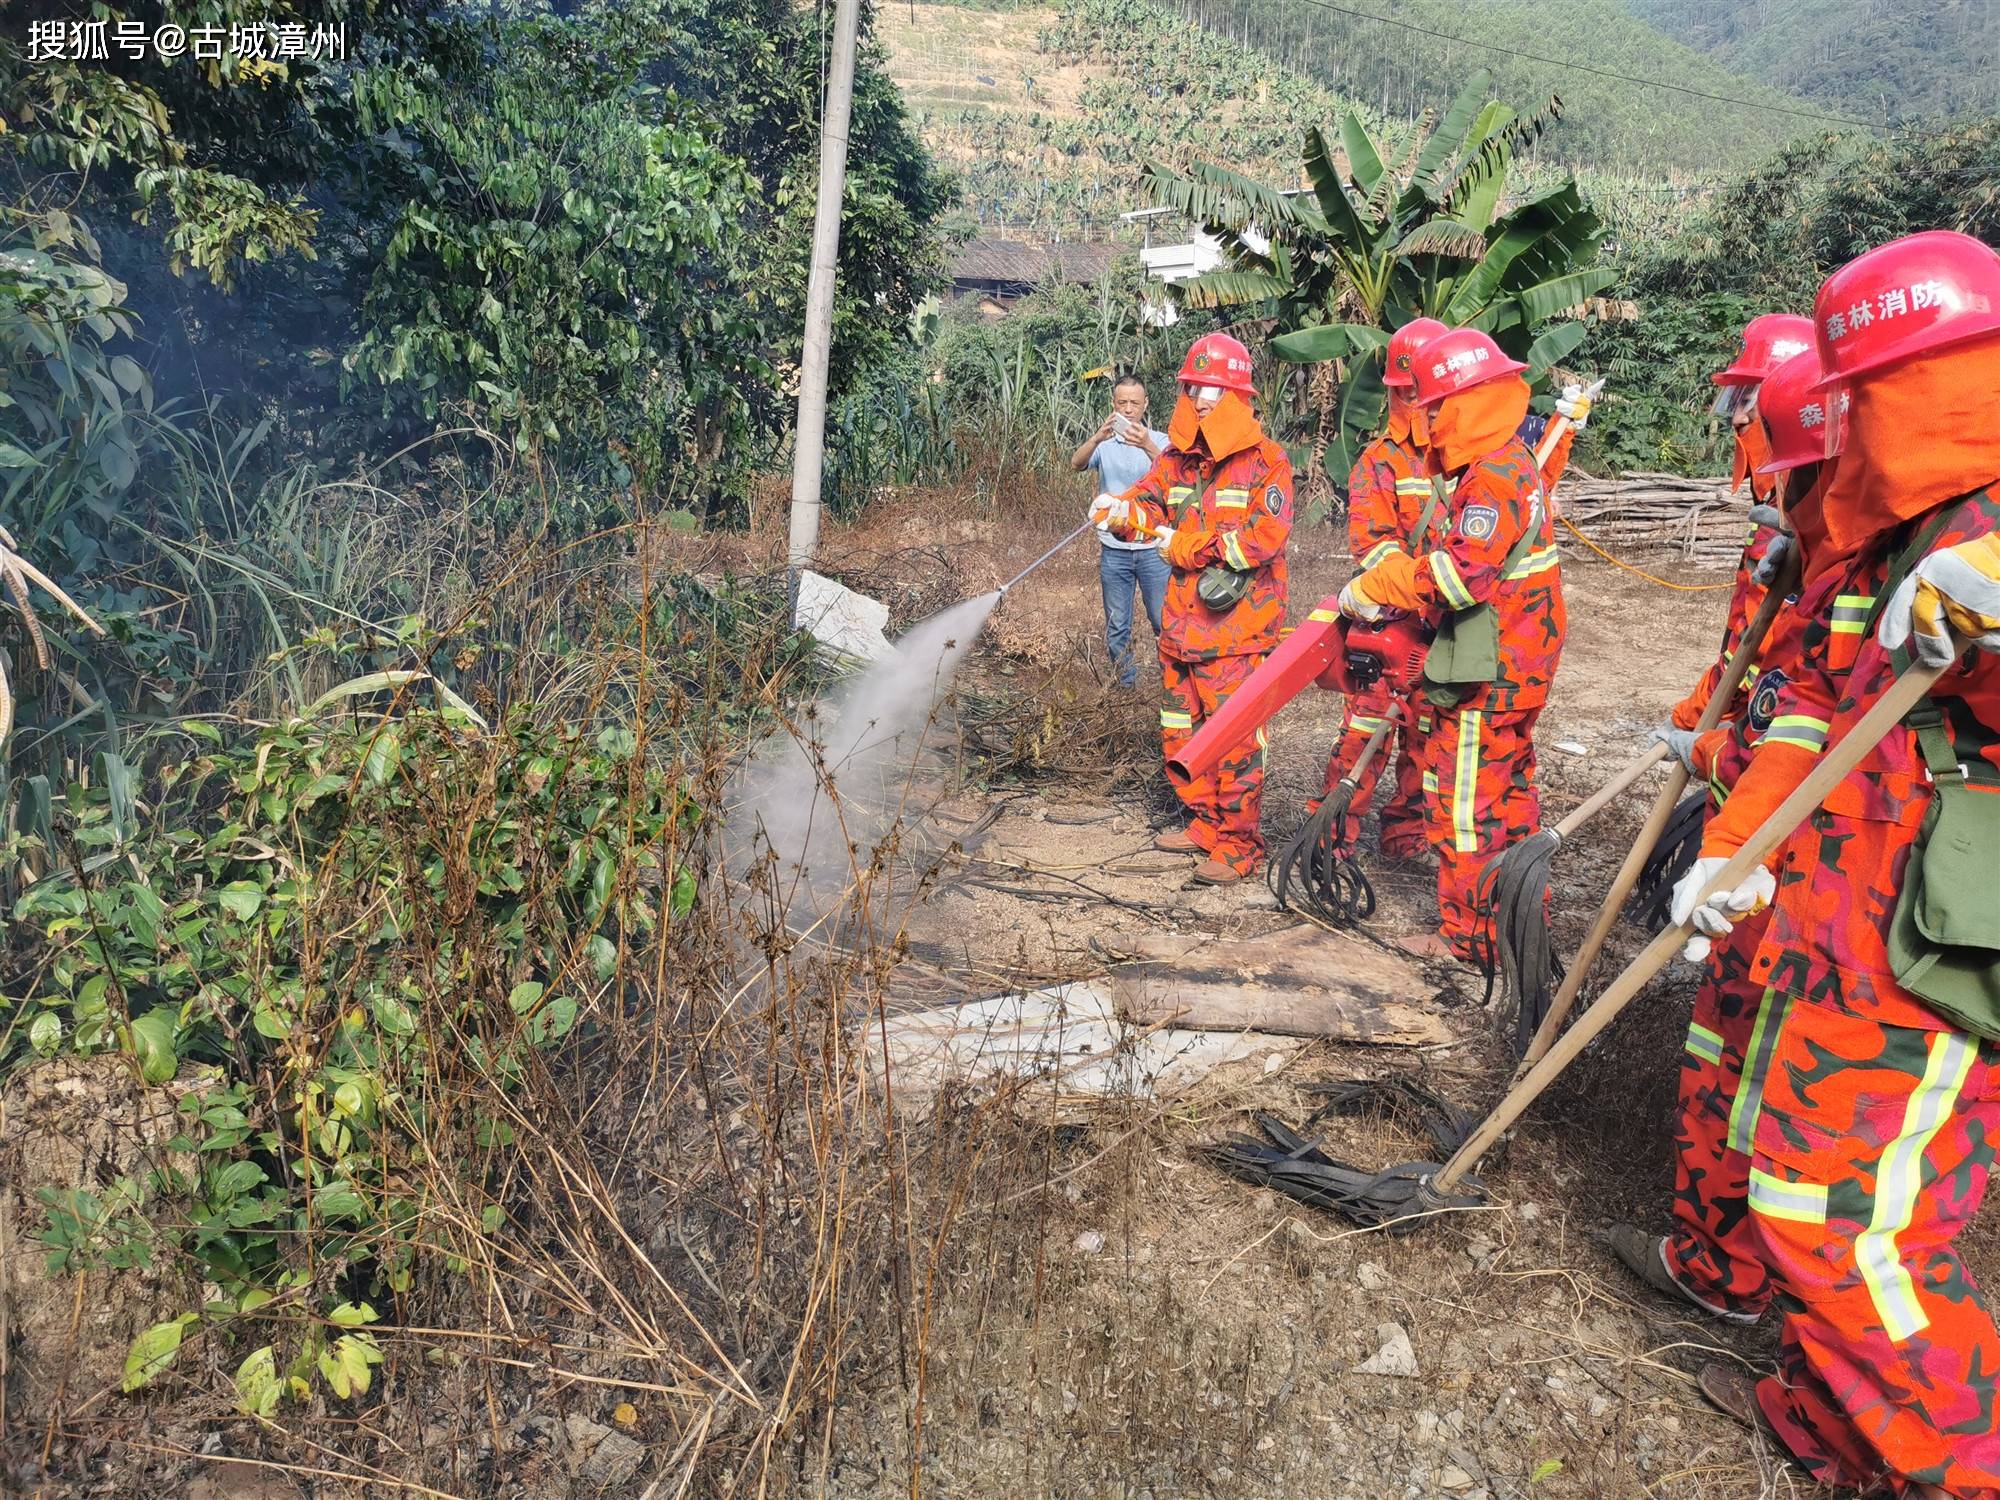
(1498, 500)
(1840, 874)
(1236, 511)
(1386, 494)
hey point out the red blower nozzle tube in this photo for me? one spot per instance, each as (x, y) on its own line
(1343, 656)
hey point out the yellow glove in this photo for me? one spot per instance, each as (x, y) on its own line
(1955, 592)
(1390, 584)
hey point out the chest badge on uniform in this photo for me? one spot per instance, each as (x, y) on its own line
(1764, 701)
(1479, 522)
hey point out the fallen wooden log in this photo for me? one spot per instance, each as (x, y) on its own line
(1301, 981)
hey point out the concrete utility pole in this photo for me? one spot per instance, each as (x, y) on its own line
(809, 441)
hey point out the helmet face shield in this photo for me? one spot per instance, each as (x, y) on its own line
(1201, 392)
(1836, 399)
(1733, 401)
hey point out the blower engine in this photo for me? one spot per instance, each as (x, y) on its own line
(1388, 652)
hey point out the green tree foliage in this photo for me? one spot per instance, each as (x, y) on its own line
(1894, 62)
(755, 69)
(1764, 244)
(560, 264)
(1611, 123)
(1381, 240)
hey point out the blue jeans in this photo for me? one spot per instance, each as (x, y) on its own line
(1121, 570)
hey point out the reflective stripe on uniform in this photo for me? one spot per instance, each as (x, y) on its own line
(1741, 1134)
(1176, 718)
(1703, 1043)
(1798, 729)
(1367, 724)
(1774, 1198)
(1232, 499)
(1444, 573)
(1417, 486)
(1897, 1180)
(1381, 550)
(1179, 495)
(1465, 783)
(1850, 613)
(1431, 783)
(1538, 561)
(1232, 553)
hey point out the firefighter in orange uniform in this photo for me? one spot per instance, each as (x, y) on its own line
(1492, 582)
(1220, 498)
(1875, 1134)
(1712, 1258)
(1389, 500)
(1768, 341)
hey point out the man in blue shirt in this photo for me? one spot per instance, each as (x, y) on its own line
(1121, 451)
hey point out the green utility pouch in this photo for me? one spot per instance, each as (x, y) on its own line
(1944, 936)
(1466, 654)
(1221, 587)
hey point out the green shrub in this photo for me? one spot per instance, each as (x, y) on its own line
(351, 940)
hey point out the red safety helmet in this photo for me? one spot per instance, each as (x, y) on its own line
(1769, 339)
(1457, 360)
(1218, 359)
(1403, 346)
(1797, 415)
(1908, 297)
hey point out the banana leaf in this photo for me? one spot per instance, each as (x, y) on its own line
(1329, 341)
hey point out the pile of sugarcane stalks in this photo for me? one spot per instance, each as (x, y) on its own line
(1695, 520)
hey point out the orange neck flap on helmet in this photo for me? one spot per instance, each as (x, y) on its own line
(1917, 433)
(1804, 497)
(1753, 451)
(1477, 422)
(1229, 427)
(1401, 423)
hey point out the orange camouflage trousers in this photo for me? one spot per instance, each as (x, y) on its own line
(1479, 789)
(1403, 830)
(1872, 1150)
(1224, 805)
(1713, 1251)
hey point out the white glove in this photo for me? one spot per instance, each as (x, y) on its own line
(1714, 917)
(1773, 560)
(1951, 598)
(1575, 405)
(1106, 508)
(1355, 607)
(1680, 741)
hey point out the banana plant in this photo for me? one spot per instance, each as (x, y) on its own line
(1385, 236)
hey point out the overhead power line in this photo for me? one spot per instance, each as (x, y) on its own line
(1577, 67)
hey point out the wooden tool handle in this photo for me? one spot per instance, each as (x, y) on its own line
(1840, 758)
(1615, 787)
(1367, 755)
(1656, 820)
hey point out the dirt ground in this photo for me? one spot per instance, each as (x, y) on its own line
(1196, 1336)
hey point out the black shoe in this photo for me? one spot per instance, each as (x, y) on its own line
(1644, 1255)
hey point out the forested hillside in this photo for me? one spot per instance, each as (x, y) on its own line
(1878, 59)
(1387, 61)
(1047, 117)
